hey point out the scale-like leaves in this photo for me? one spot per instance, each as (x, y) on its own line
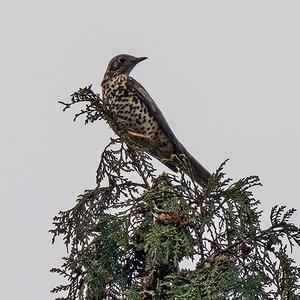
(131, 236)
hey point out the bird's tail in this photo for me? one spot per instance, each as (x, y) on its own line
(198, 172)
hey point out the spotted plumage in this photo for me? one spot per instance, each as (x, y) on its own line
(136, 113)
(131, 112)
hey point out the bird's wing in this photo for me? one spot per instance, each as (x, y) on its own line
(137, 88)
(198, 172)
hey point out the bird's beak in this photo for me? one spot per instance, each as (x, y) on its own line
(139, 59)
(134, 62)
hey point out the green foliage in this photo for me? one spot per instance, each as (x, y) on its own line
(130, 236)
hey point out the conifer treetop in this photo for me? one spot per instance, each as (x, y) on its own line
(130, 236)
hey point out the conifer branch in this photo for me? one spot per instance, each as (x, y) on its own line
(128, 237)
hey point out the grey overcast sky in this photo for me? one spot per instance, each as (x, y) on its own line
(228, 69)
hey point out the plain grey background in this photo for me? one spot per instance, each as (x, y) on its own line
(225, 73)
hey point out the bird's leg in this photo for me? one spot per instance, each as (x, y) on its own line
(135, 134)
(143, 141)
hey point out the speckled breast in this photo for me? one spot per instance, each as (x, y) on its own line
(130, 111)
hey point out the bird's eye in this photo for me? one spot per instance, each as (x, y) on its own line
(122, 60)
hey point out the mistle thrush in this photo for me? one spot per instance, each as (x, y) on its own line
(139, 117)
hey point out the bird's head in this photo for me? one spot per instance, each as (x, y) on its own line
(121, 64)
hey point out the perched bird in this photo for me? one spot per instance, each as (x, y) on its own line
(142, 121)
